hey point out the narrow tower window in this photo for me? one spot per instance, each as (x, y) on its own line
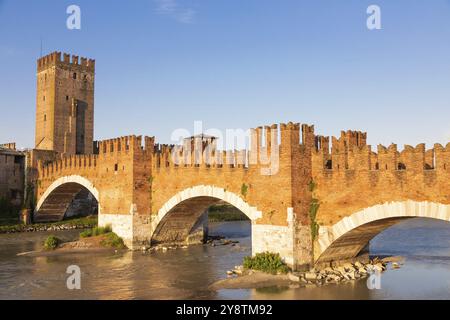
(74, 75)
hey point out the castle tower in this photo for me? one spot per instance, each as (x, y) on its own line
(65, 104)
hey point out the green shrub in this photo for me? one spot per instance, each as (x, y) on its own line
(96, 231)
(267, 262)
(86, 233)
(51, 242)
(312, 186)
(313, 208)
(112, 240)
(244, 190)
(87, 222)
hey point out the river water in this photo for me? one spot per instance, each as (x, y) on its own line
(187, 273)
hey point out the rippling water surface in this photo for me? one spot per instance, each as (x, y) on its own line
(187, 273)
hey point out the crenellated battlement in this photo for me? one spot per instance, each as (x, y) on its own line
(125, 148)
(349, 152)
(154, 193)
(348, 140)
(360, 157)
(175, 156)
(289, 133)
(136, 178)
(67, 60)
(265, 146)
(125, 144)
(290, 126)
(67, 163)
(121, 144)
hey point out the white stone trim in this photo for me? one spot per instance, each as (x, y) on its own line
(207, 191)
(70, 179)
(398, 209)
(290, 215)
(280, 239)
(121, 224)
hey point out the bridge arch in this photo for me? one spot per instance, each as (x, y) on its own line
(57, 198)
(345, 239)
(177, 218)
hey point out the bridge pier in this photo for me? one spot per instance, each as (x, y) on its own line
(137, 231)
(121, 224)
(156, 193)
(291, 241)
(199, 232)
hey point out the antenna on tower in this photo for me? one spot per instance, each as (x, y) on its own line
(41, 48)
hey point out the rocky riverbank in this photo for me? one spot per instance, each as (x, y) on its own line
(240, 278)
(79, 223)
(212, 241)
(338, 274)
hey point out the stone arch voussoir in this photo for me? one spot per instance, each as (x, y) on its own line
(69, 179)
(206, 191)
(389, 210)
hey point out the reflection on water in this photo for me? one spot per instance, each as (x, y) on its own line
(187, 273)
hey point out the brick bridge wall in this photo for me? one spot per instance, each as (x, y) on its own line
(149, 196)
(379, 189)
(113, 172)
(135, 183)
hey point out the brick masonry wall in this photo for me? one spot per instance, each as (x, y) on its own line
(355, 184)
(372, 179)
(111, 172)
(65, 104)
(140, 180)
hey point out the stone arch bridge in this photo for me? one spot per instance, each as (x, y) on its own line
(310, 201)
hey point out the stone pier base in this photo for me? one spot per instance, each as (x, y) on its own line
(292, 242)
(121, 224)
(199, 233)
(277, 239)
(136, 230)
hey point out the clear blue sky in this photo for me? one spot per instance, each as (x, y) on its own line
(160, 65)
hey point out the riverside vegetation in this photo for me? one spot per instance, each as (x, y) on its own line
(108, 238)
(225, 212)
(69, 224)
(9, 219)
(97, 237)
(51, 243)
(267, 262)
